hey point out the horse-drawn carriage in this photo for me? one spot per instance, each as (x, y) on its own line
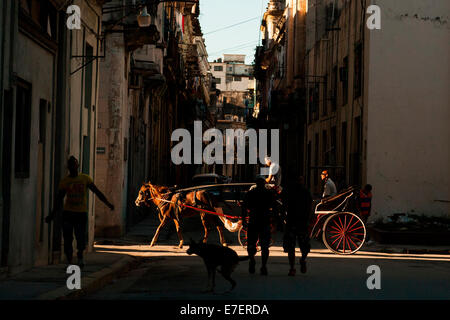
(335, 218)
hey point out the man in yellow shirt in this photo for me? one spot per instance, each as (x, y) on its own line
(74, 188)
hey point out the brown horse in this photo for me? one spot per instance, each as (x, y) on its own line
(170, 206)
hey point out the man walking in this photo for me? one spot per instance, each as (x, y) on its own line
(74, 189)
(256, 206)
(297, 200)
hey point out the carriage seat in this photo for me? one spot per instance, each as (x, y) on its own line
(330, 203)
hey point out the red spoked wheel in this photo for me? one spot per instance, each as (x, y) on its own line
(344, 233)
(242, 237)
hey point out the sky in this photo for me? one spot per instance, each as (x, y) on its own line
(240, 39)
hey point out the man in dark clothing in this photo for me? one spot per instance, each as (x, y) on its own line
(74, 190)
(256, 206)
(297, 201)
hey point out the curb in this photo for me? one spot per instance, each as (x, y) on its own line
(93, 282)
(403, 250)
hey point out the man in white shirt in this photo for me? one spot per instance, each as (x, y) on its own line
(329, 188)
(274, 172)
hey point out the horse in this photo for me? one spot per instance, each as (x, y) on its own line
(171, 206)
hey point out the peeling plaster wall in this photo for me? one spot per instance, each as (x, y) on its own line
(408, 108)
(24, 250)
(82, 117)
(111, 171)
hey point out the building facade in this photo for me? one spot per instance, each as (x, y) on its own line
(368, 121)
(279, 70)
(47, 113)
(154, 80)
(108, 91)
(235, 86)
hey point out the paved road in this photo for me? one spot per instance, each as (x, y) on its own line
(169, 273)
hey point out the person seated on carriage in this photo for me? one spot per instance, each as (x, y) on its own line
(329, 188)
(274, 178)
(256, 216)
(365, 202)
(297, 200)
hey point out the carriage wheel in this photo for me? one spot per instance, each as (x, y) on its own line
(242, 237)
(344, 233)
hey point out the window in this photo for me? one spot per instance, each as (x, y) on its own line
(43, 105)
(344, 80)
(357, 84)
(310, 104)
(23, 130)
(344, 143)
(334, 91)
(229, 78)
(325, 153)
(237, 79)
(325, 97)
(88, 77)
(333, 145)
(86, 155)
(316, 158)
(43, 13)
(217, 80)
(230, 69)
(313, 103)
(218, 68)
(309, 163)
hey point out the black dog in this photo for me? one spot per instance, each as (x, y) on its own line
(213, 256)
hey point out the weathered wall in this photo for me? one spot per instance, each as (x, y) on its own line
(112, 130)
(82, 117)
(320, 61)
(40, 73)
(408, 111)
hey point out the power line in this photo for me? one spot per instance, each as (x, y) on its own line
(233, 25)
(241, 46)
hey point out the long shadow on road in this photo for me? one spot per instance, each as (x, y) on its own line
(181, 277)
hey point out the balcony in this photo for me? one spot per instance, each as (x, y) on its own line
(136, 37)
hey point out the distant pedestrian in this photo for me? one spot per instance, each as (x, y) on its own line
(298, 201)
(329, 188)
(74, 188)
(274, 177)
(256, 206)
(365, 202)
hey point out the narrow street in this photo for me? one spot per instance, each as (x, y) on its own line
(169, 273)
(121, 118)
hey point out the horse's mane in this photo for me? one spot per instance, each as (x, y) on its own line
(159, 188)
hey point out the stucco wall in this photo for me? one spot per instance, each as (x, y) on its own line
(408, 108)
(113, 118)
(40, 73)
(82, 117)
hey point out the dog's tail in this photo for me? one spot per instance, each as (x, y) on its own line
(243, 258)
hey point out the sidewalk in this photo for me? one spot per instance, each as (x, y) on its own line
(49, 282)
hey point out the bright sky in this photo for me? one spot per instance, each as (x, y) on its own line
(240, 39)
